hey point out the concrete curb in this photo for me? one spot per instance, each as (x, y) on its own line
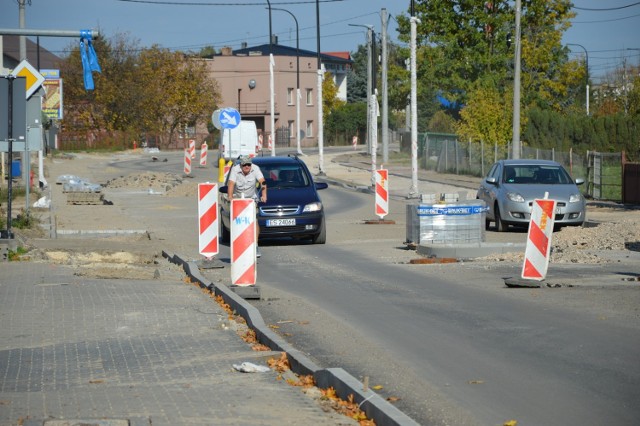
(375, 407)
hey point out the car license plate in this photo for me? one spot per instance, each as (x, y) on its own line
(281, 222)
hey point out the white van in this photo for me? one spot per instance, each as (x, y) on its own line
(243, 140)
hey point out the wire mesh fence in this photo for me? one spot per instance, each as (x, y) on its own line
(444, 153)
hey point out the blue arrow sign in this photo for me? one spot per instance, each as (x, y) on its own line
(229, 118)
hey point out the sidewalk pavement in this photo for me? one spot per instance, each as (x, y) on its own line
(77, 350)
(119, 352)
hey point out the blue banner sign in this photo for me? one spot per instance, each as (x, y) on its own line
(450, 210)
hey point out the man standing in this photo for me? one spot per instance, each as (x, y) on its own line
(244, 179)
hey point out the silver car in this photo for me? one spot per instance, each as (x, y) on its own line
(511, 186)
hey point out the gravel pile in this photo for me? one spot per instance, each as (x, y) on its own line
(169, 184)
(147, 180)
(581, 245)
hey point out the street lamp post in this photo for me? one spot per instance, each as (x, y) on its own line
(413, 189)
(299, 149)
(372, 116)
(270, 30)
(320, 103)
(515, 141)
(586, 74)
(370, 86)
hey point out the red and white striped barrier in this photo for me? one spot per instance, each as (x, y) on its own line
(537, 251)
(354, 142)
(203, 154)
(192, 148)
(208, 219)
(382, 193)
(260, 139)
(187, 162)
(270, 142)
(243, 242)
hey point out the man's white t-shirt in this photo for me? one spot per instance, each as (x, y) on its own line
(245, 184)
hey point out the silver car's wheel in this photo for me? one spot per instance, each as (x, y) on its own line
(501, 226)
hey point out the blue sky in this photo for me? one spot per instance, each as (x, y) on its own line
(606, 34)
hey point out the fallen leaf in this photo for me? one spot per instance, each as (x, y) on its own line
(281, 364)
(377, 387)
(393, 399)
(259, 347)
(510, 423)
(476, 382)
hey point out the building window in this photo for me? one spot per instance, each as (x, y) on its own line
(292, 131)
(309, 96)
(309, 128)
(290, 96)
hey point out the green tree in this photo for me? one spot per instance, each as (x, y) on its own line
(330, 100)
(346, 121)
(462, 47)
(178, 91)
(486, 117)
(357, 76)
(138, 90)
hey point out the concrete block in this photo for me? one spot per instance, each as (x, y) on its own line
(468, 250)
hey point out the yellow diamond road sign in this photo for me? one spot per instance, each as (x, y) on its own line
(34, 78)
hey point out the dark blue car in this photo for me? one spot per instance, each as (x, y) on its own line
(293, 208)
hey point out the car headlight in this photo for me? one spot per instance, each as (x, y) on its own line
(313, 207)
(575, 198)
(514, 196)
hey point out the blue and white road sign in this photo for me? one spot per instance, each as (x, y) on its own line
(229, 118)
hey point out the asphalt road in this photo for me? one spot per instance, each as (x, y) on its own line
(448, 343)
(452, 343)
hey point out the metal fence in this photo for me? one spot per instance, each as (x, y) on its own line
(444, 153)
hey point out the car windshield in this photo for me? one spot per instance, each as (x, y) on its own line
(284, 175)
(536, 174)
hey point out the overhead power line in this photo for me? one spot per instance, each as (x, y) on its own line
(178, 3)
(607, 8)
(605, 20)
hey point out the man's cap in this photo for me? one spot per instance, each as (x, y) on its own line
(245, 159)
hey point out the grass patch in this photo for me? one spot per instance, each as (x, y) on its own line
(25, 221)
(17, 255)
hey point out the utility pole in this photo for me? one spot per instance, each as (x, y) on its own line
(586, 72)
(385, 95)
(298, 97)
(413, 190)
(23, 40)
(370, 83)
(515, 141)
(320, 103)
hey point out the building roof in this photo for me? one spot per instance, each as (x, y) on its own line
(11, 54)
(344, 55)
(280, 50)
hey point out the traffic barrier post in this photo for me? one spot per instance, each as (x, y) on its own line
(208, 219)
(187, 162)
(381, 207)
(243, 242)
(537, 251)
(221, 172)
(203, 154)
(382, 193)
(192, 148)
